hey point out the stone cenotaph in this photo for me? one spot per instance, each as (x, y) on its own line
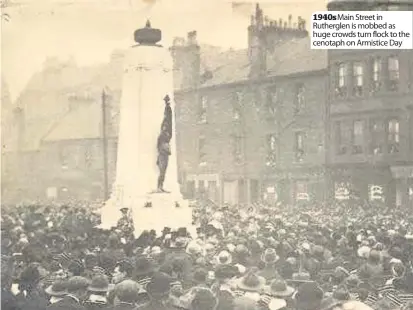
(146, 170)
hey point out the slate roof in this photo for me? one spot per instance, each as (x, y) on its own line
(290, 57)
(228, 67)
(83, 122)
(80, 123)
(296, 56)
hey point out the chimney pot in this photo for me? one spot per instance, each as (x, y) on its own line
(192, 38)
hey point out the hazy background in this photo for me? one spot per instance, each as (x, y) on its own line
(89, 30)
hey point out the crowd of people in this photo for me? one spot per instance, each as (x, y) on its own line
(307, 257)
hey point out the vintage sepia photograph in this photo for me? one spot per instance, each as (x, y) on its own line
(203, 155)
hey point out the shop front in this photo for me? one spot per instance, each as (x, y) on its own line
(364, 184)
(403, 176)
(296, 186)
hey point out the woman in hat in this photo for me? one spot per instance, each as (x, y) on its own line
(98, 289)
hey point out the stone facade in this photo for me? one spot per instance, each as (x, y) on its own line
(371, 121)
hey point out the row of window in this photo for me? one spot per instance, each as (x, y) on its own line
(298, 147)
(270, 97)
(237, 147)
(383, 137)
(384, 73)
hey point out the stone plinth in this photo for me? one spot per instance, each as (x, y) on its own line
(162, 213)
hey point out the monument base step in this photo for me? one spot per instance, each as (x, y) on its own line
(157, 211)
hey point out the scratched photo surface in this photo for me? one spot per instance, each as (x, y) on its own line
(198, 154)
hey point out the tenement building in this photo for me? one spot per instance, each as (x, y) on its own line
(371, 119)
(250, 123)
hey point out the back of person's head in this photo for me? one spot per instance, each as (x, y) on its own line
(127, 291)
(204, 299)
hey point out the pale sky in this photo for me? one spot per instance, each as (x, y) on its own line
(89, 30)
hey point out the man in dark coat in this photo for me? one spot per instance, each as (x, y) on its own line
(77, 293)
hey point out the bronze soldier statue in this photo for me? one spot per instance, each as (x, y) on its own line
(163, 146)
(167, 117)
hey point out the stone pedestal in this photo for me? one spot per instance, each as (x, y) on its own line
(165, 211)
